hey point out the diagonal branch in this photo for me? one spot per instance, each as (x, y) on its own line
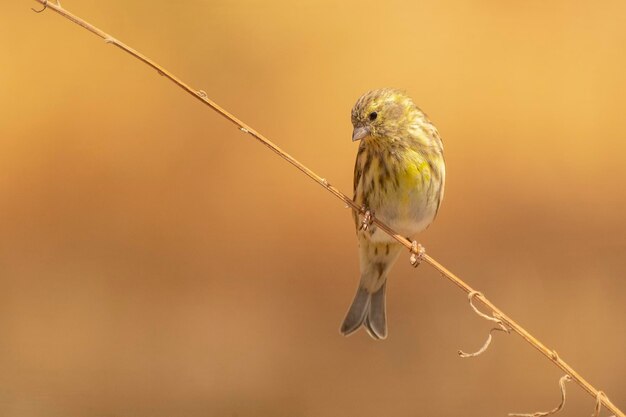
(416, 250)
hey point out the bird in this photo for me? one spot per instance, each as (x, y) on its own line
(399, 178)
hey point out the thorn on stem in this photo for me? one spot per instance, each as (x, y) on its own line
(201, 94)
(417, 254)
(244, 130)
(325, 182)
(494, 318)
(562, 381)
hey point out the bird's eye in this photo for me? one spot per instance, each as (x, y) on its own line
(373, 116)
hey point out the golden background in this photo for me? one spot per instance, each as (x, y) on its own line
(155, 261)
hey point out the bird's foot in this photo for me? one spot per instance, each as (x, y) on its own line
(417, 254)
(368, 219)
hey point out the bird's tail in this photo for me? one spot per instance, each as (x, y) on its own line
(367, 309)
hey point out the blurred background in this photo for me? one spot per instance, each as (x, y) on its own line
(155, 261)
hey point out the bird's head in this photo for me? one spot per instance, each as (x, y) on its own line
(382, 113)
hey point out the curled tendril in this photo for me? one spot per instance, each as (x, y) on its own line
(501, 326)
(562, 381)
(598, 408)
(45, 6)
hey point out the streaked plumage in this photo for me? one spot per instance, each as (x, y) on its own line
(399, 176)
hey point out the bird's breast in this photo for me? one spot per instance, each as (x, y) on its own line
(402, 188)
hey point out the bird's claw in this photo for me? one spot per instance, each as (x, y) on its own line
(368, 219)
(417, 254)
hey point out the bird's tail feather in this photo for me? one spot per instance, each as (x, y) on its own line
(358, 311)
(367, 309)
(376, 320)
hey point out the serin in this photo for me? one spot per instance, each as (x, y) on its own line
(399, 176)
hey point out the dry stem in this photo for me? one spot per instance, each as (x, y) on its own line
(411, 246)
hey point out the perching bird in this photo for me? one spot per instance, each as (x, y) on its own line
(399, 178)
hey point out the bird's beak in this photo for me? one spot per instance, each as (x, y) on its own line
(359, 133)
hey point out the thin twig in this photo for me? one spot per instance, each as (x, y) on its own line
(411, 246)
(562, 381)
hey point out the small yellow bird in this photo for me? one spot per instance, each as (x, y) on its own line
(398, 177)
